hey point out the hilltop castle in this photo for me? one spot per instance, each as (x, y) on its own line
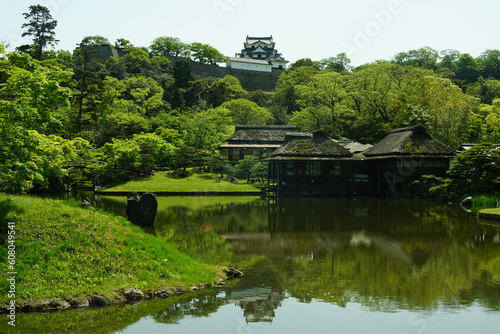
(258, 54)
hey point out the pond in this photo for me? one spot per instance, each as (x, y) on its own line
(338, 265)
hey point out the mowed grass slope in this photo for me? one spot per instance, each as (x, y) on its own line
(64, 251)
(164, 181)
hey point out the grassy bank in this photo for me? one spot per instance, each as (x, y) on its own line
(62, 251)
(495, 211)
(485, 201)
(166, 181)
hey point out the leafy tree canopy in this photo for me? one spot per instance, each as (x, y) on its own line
(474, 171)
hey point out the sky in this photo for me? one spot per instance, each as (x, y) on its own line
(366, 30)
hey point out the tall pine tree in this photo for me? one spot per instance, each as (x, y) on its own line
(41, 27)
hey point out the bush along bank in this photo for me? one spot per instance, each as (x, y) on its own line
(58, 256)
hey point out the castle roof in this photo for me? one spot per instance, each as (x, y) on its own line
(253, 40)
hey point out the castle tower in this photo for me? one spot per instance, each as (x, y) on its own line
(258, 54)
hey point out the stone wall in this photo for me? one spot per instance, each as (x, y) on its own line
(250, 80)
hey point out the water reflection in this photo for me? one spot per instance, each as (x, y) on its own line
(386, 256)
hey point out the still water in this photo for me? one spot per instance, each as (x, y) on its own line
(315, 266)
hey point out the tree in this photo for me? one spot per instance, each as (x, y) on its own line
(447, 108)
(208, 129)
(224, 89)
(324, 99)
(206, 54)
(286, 95)
(449, 59)
(245, 112)
(424, 57)
(41, 27)
(182, 73)
(95, 40)
(474, 171)
(467, 68)
(29, 95)
(339, 63)
(245, 167)
(169, 46)
(489, 63)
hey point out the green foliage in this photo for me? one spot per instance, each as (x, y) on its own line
(83, 95)
(136, 157)
(245, 112)
(251, 168)
(28, 98)
(425, 57)
(324, 101)
(208, 129)
(169, 46)
(206, 54)
(474, 171)
(223, 90)
(67, 251)
(339, 63)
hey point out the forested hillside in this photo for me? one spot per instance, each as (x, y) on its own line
(139, 111)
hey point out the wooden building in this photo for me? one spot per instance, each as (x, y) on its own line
(403, 156)
(257, 140)
(310, 164)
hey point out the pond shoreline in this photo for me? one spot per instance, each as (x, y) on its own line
(126, 296)
(492, 216)
(184, 193)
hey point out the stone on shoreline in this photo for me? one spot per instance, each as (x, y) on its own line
(79, 302)
(96, 300)
(133, 294)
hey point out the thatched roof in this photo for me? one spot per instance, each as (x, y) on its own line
(310, 146)
(354, 146)
(410, 141)
(261, 134)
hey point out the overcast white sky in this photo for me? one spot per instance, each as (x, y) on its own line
(366, 30)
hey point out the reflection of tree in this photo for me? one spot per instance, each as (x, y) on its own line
(195, 230)
(376, 277)
(384, 254)
(201, 305)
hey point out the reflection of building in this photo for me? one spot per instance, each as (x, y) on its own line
(259, 295)
(258, 54)
(258, 303)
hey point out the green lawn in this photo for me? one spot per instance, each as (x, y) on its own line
(63, 250)
(495, 211)
(163, 181)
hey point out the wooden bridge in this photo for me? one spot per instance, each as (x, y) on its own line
(81, 163)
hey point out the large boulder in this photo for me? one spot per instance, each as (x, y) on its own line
(141, 210)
